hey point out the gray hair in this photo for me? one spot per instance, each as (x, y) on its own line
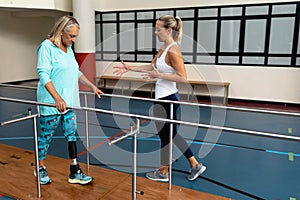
(62, 24)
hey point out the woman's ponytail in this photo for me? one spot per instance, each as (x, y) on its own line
(178, 30)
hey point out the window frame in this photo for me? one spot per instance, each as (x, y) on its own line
(216, 57)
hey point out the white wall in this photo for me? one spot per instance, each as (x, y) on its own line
(23, 25)
(62, 5)
(261, 83)
(20, 35)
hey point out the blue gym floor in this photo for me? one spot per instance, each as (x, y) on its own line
(239, 166)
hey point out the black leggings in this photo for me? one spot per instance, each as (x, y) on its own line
(162, 110)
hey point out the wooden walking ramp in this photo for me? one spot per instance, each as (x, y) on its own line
(17, 181)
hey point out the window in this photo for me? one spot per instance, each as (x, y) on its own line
(256, 34)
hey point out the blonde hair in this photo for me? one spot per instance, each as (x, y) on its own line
(175, 24)
(62, 24)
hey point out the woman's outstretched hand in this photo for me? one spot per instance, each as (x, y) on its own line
(120, 70)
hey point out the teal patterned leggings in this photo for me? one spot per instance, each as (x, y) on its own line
(49, 124)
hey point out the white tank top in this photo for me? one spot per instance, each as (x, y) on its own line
(163, 87)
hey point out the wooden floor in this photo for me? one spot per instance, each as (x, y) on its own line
(17, 181)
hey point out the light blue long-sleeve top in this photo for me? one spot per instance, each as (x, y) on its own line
(62, 69)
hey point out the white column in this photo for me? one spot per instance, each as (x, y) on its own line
(84, 12)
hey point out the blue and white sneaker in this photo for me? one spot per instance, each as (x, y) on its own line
(44, 178)
(80, 177)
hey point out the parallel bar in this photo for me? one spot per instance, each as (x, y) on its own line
(171, 146)
(134, 159)
(36, 156)
(17, 86)
(132, 133)
(122, 137)
(134, 143)
(17, 120)
(87, 135)
(240, 131)
(181, 103)
(208, 105)
(35, 103)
